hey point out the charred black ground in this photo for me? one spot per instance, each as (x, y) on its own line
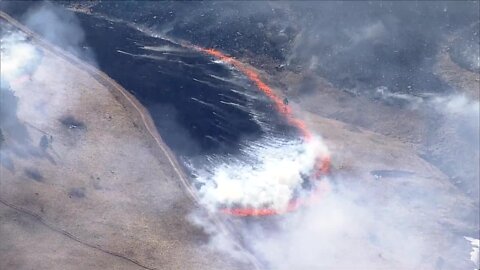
(199, 106)
(362, 45)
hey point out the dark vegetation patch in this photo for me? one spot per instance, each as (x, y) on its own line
(7, 163)
(77, 193)
(43, 142)
(72, 123)
(11, 126)
(1, 137)
(34, 174)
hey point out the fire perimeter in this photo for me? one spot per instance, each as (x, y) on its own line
(322, 162)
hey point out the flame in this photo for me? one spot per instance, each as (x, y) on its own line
(322, 164)
(251, 74)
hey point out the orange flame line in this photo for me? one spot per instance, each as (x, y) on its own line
(282, 108)
(322, 165)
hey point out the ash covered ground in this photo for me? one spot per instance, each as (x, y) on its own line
(390, 88)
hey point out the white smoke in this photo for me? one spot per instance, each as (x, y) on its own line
(459, 105)
(351, 227)
(23, 60)
(461, 129)
(356, 225)
(60, 27)
(16, 55)
(52, 23)
(474, 254)
(268, 177)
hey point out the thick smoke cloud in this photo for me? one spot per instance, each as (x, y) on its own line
(352, 227)
(268, 176)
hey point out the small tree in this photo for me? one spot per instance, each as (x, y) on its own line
(1, 137)
(44, 142)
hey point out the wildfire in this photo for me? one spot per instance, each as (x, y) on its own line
(322, 164)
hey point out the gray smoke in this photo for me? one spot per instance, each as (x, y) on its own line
(20, 61)
(60, 27)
